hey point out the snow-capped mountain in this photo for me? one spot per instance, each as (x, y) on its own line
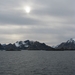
(26, 45)
(23, 44)
(35, 45)
(70, 44)
(71, 41)
(32, 45)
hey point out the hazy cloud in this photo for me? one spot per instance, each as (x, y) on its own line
(50, 21)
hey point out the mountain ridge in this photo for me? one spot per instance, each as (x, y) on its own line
(35, 45)
(27, 45)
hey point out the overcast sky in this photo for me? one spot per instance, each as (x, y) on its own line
(49, 21)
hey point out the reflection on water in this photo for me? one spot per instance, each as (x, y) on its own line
(37, 63)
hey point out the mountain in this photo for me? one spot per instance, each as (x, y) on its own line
(23, 44)
(35, 45)
(11, 47)
(1, 47)
(68, 45)
(32, 45)
(39, 46)
(26, 45)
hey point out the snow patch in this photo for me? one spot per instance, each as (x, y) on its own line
(26, 45)
(17, 44)
(74, 39)
(23, 43)
(71, 40)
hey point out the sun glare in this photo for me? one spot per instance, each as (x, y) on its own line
(27, 9)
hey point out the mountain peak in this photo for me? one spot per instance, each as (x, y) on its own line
(71, 40)
(69, 45)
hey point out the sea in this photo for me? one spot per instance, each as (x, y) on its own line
(37, 62)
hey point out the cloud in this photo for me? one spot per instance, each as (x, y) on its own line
(50, 21)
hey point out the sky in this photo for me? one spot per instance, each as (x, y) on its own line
(49, 21)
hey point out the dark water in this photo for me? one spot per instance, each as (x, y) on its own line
(37, 63)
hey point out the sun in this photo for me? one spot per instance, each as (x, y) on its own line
(27, 9)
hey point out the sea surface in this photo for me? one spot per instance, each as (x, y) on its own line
(37, 62)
